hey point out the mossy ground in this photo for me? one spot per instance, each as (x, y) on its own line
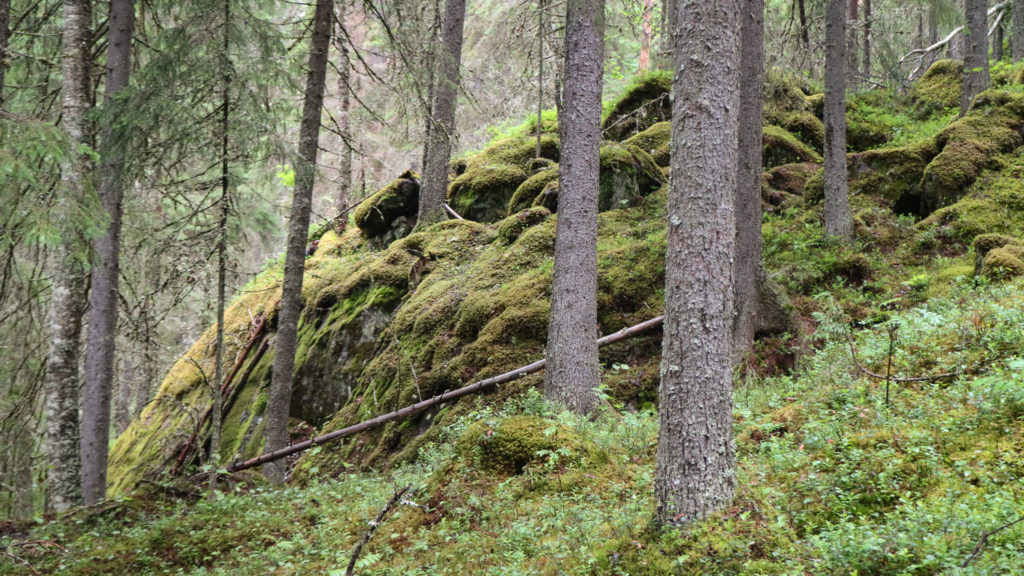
(832, 478)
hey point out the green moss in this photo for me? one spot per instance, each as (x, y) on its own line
(790, 178)
(1004, 262)
(940, 87)
(781, 147)
(628, 174)
(516, 442)
(528, 191)
(510, 228)
(985, 243)
(785, 94)
(400, 198)
(891, 173)
(807, 127)
(654, 141)
(644, 104)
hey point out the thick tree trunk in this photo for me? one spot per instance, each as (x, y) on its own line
(757, 306)
(976, 77)
(573, 368)
(866, 67)
(695, 473)
(99, 356)
(67, 303)
(838, 220)
(283, 372)
(341, 201)
(442, 128)
(1017, 38)
(5, 19)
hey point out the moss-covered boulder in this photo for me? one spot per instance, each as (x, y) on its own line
(529, 190)
(807, 127)
(785, 94)
(482, 193)
(1004, 262)
(970, 145)
(941, 87)
(517, 441)
(645, 103)
(512, 227)
(985, 243)
(655, 141)
(376, 215)
(782, 147)
(891, 173)
(788, 179)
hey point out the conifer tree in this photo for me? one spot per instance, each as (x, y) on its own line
(838, 219)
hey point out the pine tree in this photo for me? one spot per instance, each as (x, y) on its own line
(976, 75)
(838, 219)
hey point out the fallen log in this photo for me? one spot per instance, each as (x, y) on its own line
(474, 388)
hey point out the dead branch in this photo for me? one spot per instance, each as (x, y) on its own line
(875, 375)
(475, 388)
(922, 53)
(984, 540)
(373, 528)
(453, 213)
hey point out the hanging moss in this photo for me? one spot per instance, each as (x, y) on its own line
(781, 147)
(641, 106)
(941, 87)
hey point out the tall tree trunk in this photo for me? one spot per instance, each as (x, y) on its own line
(805, 37)
(695, 472)
(442, 130)
(283, 372)
(222, 247)
(976, 77)
(997, 49)
(866, 67)
(99, 354)
(573, 370)
(431, 66)
(67, 304)
(342, 200)
(933, 23)
(645, 35)
(5, 19)
(851, 29)
(757, 305)
(838, 219)
(1017, 38)
(540, 75)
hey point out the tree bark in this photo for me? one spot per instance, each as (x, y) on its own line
(645, 36)
(100, 346)
(976, 77)
(283, 372)
(851, 28)
(997, 48)
(757, 306)
(67, 303)
(442, 129)
(574, 370)
(669, 13)
(695, 472)
(866, 67)
(5, 19)
(540, 76)
(344, 194)
(838, 219)
(1017, 39)
(933, 23)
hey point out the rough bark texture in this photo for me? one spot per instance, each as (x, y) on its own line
(838, 220)
(866, 67)
(540, 76)
(5, 19)
(976, 76)
(295, 256)
(997, 41)
(645, 35)
(933, 23)
(669, 15)
(573, 369)
(852, 50)
(442, 128)
(99, 356)
(757, 306)
(344, 193)
(695, 472)
(1017, 39)
(67, 303)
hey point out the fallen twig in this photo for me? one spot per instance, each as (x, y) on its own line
(866, 372)
(452, 212)
(373, 528)
(984, 540)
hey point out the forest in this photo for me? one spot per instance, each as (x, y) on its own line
(512, 287)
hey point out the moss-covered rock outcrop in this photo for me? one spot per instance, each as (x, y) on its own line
(655, 141)
(482, 193)
(643, 105)
(390, 207)
(781, 147)
(941, 87)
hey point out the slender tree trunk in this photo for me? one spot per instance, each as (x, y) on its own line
(757, 306)
(997, 49)
(669, 15)
(866, 67)
(851, 30)
(1017, 38)
(645, 35)
(838, 219)
(5, 19)
(540, 75)
(933, 23)
(99, 355)
(442, 131)
(805, 37)
(283, 372)
(695, 473)
(430, 59)
(222, 248)
(573, 370)
(344, 112)
(976, 77)
(67, 304)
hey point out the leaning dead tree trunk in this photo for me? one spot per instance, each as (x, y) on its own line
(474, 388)
(923, 57)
